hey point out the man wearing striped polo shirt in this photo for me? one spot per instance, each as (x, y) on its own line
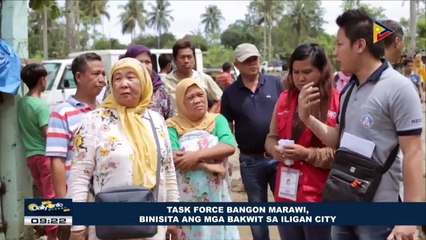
(89, 75)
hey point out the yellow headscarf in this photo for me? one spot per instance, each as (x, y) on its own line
(182, 123)
(419, 68)
(145, 159)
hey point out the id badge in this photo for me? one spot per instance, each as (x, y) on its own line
(289, 181)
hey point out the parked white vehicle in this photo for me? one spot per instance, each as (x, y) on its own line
(60, 82)
(271, 66)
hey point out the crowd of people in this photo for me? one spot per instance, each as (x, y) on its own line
(174, 130)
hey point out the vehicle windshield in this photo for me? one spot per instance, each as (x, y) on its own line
(52, 70)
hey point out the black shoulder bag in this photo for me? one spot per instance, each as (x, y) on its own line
(354, 177)
(130, 194)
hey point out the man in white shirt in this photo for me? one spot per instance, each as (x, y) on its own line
(184, 59)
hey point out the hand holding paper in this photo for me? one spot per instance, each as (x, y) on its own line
(282, 143)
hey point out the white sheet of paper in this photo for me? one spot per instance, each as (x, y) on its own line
(282, 143)
(357, 144)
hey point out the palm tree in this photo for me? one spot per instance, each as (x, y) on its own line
(160, 17)
(211, 19)
(299, 19)
(132, 17)
(91, 13)
(44, 13)
(268, 12)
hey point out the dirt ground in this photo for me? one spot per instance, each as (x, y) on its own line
(239, 195)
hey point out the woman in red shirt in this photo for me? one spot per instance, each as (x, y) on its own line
(303, 165)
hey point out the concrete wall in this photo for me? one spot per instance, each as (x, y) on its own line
(13, 170)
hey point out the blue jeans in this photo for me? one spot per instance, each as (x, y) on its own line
(256, 174)
(360, 232)
(288, 232)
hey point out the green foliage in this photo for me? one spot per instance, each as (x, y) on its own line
(104, 43)
(55, 34)
(57, 44)
(238, 33)
(150, 41)
(216, 56)
(375, 12)
(132, 17)
(167, 40)
(211, 19)
(267, 11)
(198, 40)
(159, 17)
(51, 5)
(327, 42)
(91, 13)
(305, 18)
(421, 33)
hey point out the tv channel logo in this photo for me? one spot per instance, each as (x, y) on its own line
(47, 212)
(380, 31)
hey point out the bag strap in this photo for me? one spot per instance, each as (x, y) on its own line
(392, 156)
(157, 142)
(345, 105)
(391, 159)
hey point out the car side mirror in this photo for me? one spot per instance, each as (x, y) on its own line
(66, 83)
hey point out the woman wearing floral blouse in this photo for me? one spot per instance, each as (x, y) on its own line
(115, 144)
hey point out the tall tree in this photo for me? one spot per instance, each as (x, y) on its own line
(44, 10)
(413, 25)
(132, 17)
(91, 13)
(104, 43)
(211, 20)
(239, 32)
(304, 14)
(268, 12)
(159, 18)
(71, 10)
(376, 12)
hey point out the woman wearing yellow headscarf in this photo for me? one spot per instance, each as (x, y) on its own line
(115, 144)
(420, 69)
(201, 142)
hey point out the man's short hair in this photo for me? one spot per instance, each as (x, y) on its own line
(357, 24)
(183, 44)
(407, 61)
(397, 32)
(32, 73)
(164, 60)
(226, 67)
(79, 63)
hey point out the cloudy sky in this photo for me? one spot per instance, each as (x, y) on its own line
(186, 14)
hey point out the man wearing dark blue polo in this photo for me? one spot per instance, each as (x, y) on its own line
(248, 105)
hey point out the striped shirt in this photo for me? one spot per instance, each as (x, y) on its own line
(63, 123)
